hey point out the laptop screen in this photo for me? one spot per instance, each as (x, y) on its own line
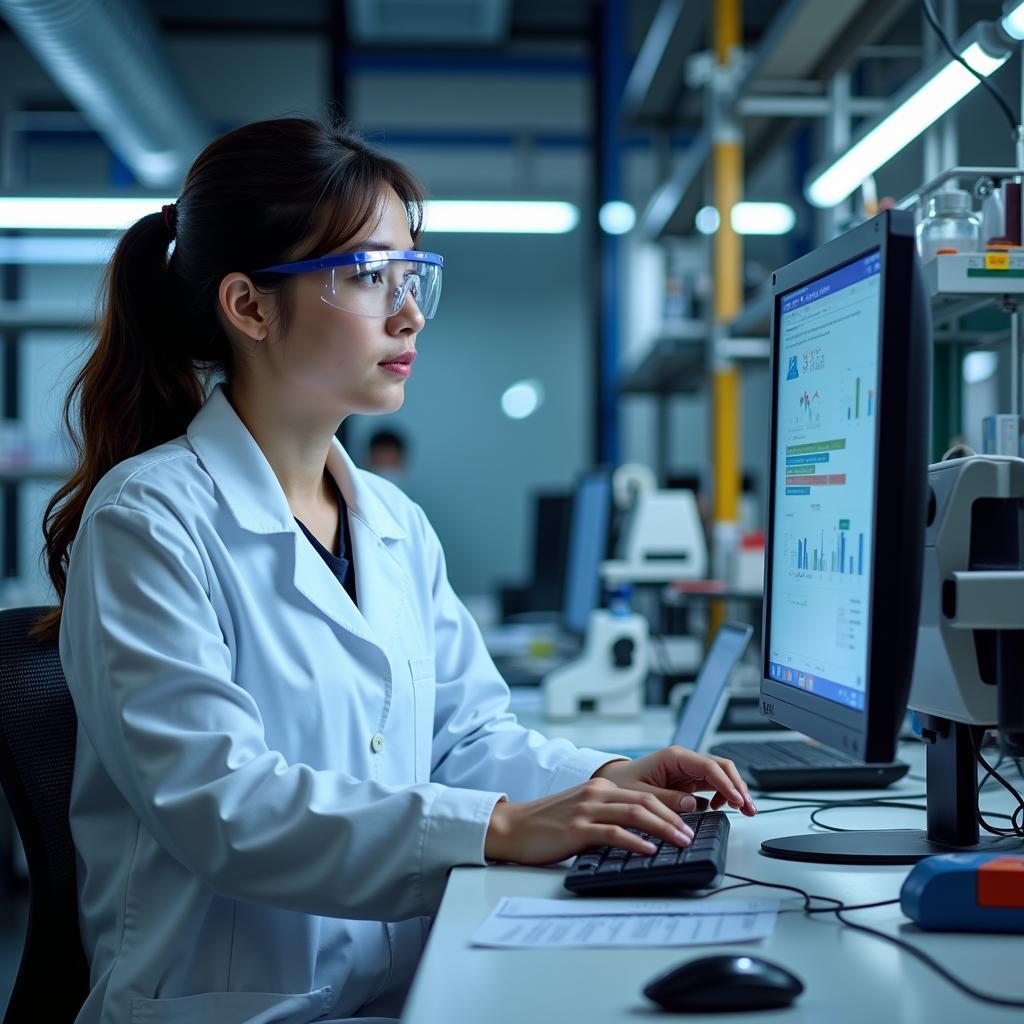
(730, 643)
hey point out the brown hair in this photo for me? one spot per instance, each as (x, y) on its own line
(265, 193)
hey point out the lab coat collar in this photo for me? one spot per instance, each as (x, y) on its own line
(250, 487)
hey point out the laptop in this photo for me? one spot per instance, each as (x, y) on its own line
(766, 764)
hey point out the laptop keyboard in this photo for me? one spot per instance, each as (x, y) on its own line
(610, 869)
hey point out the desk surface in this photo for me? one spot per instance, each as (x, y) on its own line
(848, 976)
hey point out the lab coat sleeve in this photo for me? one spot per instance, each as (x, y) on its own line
(477, 741)
(150, 674)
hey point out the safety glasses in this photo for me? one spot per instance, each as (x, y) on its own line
(374, 284)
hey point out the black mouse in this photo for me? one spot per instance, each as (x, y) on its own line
(728, 982)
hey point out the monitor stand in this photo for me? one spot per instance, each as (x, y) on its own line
(952, 798)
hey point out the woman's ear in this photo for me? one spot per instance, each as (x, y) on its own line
(245, 309)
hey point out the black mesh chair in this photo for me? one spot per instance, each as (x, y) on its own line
(37, 758)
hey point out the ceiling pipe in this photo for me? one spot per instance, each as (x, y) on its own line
(110, 60)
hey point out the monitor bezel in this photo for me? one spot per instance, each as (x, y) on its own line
(903, 381)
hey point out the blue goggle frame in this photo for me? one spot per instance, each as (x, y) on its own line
(348, 259)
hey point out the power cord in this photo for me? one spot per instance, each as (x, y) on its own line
(933, 20)
(664, 659)
(1016, 828)
(840, 908)
(901, 800)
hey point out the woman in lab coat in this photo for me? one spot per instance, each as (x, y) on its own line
(290, 729)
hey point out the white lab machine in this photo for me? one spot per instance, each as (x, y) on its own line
(662, 540)
(608, 676)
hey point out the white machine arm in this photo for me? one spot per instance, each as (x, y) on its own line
(984, 600)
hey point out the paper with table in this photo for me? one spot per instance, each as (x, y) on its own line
(521, 923)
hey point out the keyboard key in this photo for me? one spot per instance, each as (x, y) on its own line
(637, 863)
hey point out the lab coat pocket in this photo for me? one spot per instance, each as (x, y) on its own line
(424, 678)
(234, 1008)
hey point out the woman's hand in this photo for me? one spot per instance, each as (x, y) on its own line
(672, 771)
(596, 813)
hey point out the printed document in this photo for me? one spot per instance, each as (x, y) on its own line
(521, 923)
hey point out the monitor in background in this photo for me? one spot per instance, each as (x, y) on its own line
(588, 546)
(552, 513)
(850, 373)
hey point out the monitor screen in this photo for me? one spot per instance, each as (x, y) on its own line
(588, 543)
(552, 514)
(825, 481)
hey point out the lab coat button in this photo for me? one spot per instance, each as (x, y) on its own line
(377, 743)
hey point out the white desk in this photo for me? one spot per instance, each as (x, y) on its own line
(848, 976)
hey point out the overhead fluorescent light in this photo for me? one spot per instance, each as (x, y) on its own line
(1013, 20)
(749, 218)
(78, 213)
(500, 216)
(56, 250)
(925, 99)
(762, 218)
(116, 213)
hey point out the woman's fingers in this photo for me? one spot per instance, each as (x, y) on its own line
(674, 799)
(639, 815)
(664, 802)
(733, 773)
(727, 791)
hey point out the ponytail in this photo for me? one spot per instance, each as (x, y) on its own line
(137, 390)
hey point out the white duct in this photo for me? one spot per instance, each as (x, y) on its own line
(110, 60)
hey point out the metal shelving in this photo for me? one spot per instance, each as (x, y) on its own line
(672, 364)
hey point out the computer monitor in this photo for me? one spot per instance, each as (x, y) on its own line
(848, 490)
(588, 546)
(552, 513)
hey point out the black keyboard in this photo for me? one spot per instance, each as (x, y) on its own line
(612, 870)
(782, 764)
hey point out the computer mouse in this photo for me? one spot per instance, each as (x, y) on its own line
(728, 982)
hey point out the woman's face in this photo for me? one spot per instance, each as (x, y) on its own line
(330, 362)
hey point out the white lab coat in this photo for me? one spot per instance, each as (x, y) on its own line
(266, 774)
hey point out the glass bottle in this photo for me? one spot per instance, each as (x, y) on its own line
(950, 224)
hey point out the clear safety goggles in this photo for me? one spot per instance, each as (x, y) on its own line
(375, 284)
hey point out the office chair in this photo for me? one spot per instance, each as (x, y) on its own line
(37, 757)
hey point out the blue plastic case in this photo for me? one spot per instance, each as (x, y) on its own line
(966, 892)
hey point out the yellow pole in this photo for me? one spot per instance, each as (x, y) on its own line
(727, 171)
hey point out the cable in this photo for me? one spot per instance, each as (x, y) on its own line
(833, 806)
(663, 659)
(901, 800)
(913, 950)
(928, 961)
(933, 20)
(852, 906)
(1015, 829)
(715, 892)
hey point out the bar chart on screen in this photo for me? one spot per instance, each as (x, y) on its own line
(838, 553)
